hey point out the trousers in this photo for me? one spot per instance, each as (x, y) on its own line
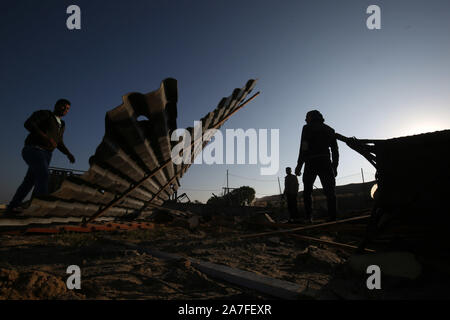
(324, 169)
(38, 161)
(292, 205)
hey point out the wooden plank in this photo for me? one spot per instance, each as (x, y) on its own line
(25, 221)
(314, 226)
(41, 231)
(331, 243)
(264, 284)
(270, 286)
(176, 212)
(87, 229)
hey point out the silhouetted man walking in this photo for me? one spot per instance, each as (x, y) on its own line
(290, 192)
(316, 141)
(46, 133)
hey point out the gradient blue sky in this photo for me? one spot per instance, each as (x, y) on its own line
(306, 54)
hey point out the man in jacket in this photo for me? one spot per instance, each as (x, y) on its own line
(316, 141)
(46, 134)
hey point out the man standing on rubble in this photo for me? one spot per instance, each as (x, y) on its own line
(316, 141)
(46, 133)
(290, 192)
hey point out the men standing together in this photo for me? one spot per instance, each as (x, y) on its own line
(46, 134)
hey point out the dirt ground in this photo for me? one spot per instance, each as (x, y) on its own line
(34, 266)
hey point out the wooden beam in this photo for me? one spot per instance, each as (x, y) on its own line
(274, 287)
(314, 226)
(178, 212)
(20, 221)
(270, 286)
(331, 243)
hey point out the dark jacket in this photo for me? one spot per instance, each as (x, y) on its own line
(316, 141)
(290, 184)
(45, 121)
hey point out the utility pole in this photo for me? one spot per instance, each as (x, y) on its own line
(279, 185)
(227, 182)
(362, 174)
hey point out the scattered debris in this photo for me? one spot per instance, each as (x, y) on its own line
(33, 285)
(317, 258)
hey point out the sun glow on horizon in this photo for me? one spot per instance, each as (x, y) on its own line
(422, 127)
(416, 123)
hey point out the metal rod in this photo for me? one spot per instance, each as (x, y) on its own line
(179, 212)
(192, 155)
(331, 243)
(127, 192)
(316, 226)
(227, 183)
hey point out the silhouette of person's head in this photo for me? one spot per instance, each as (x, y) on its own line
(288, 170)
(62, 107)
(314, 116)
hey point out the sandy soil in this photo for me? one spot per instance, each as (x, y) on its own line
(34, 267)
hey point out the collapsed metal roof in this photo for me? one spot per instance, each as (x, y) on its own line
(412, 171)
(132, 166)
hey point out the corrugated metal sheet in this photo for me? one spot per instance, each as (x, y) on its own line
(133, 152)
(413, 173)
